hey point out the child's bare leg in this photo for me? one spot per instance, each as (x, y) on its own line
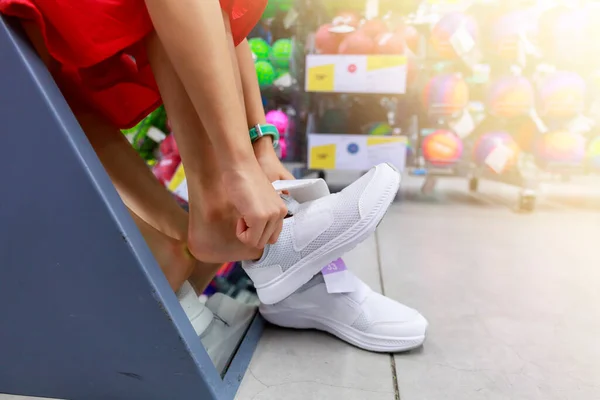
(213, 217)
(171, 254)
(162, 222)
(158, 216)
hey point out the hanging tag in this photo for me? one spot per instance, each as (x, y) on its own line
(498, 158)
(481, 73)
(580, 124)
(541, 126)
(464, 126)
(290, 18)
(371, 9)
(337, 277)
(462, 41)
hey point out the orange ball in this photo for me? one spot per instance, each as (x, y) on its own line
(326, 41)
(374, 27)
(390, 43)
(357, 43)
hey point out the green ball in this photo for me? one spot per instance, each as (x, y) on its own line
(279, 72)
(265, 73)
(380, 129)
(281, 52)
(260, 48)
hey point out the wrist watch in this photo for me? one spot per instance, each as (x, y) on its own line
(260, 130)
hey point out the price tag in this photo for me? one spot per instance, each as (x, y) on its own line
(320, 78)
(541, 126)
(580, 124)
(156, 134)
(322, 157)
(498, 158)
(462, 41)
(337, 277)
(290, 18)
(464, 126)
(481, 73)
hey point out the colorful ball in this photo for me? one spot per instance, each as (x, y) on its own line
(511, 96)
(445, 95)
(279, 119)
(593, 153)
(326, 41)
(283, 148)
(260, 48)
(442, 148)
(561, 147)
(281, 52)
(488, 142)
(506, 31)
(411, 36)
(265, 73)
(380, 129)
(446, 28)
(374, 27)
(562, 95)
(357, 43)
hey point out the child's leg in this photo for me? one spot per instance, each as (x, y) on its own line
(158, 216)
(162, 222)
(171, 254)
(212, 216)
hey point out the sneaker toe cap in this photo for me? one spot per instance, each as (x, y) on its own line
(383, 182)
(388, 317)
(415, 327)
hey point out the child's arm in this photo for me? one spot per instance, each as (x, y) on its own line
(194, 37)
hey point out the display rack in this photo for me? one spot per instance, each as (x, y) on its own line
(378, 81)
(87, 312)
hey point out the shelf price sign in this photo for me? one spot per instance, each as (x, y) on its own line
(377, 74)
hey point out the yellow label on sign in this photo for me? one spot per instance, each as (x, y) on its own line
(382, 62)
(321, 78)
(178, 177)
(374, 141)
(322, 157)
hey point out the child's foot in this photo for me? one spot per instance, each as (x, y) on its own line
(320, 231)
(212, 238)
(363, 318)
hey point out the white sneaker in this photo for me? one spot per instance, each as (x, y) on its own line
(200, 317)
(320, 231)
(363, 318)
(222, 338)
(220, 324)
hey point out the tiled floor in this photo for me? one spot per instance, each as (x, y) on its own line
(512, 299)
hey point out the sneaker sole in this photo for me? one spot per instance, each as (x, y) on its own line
(375, 343)
(287, 283)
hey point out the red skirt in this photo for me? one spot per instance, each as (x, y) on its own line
(99, 47)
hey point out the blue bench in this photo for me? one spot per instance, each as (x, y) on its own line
(85, 312)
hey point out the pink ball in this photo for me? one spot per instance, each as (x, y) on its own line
(279, 119)
(283, 148)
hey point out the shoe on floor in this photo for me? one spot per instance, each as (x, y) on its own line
(220, 324)
(364, 318)
(320, 231)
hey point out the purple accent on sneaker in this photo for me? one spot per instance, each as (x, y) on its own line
(336, 266)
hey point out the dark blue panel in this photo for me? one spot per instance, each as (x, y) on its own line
(85, 312)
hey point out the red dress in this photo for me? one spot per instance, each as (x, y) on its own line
(100, 51)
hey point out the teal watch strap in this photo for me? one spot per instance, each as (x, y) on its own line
(258, 131)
